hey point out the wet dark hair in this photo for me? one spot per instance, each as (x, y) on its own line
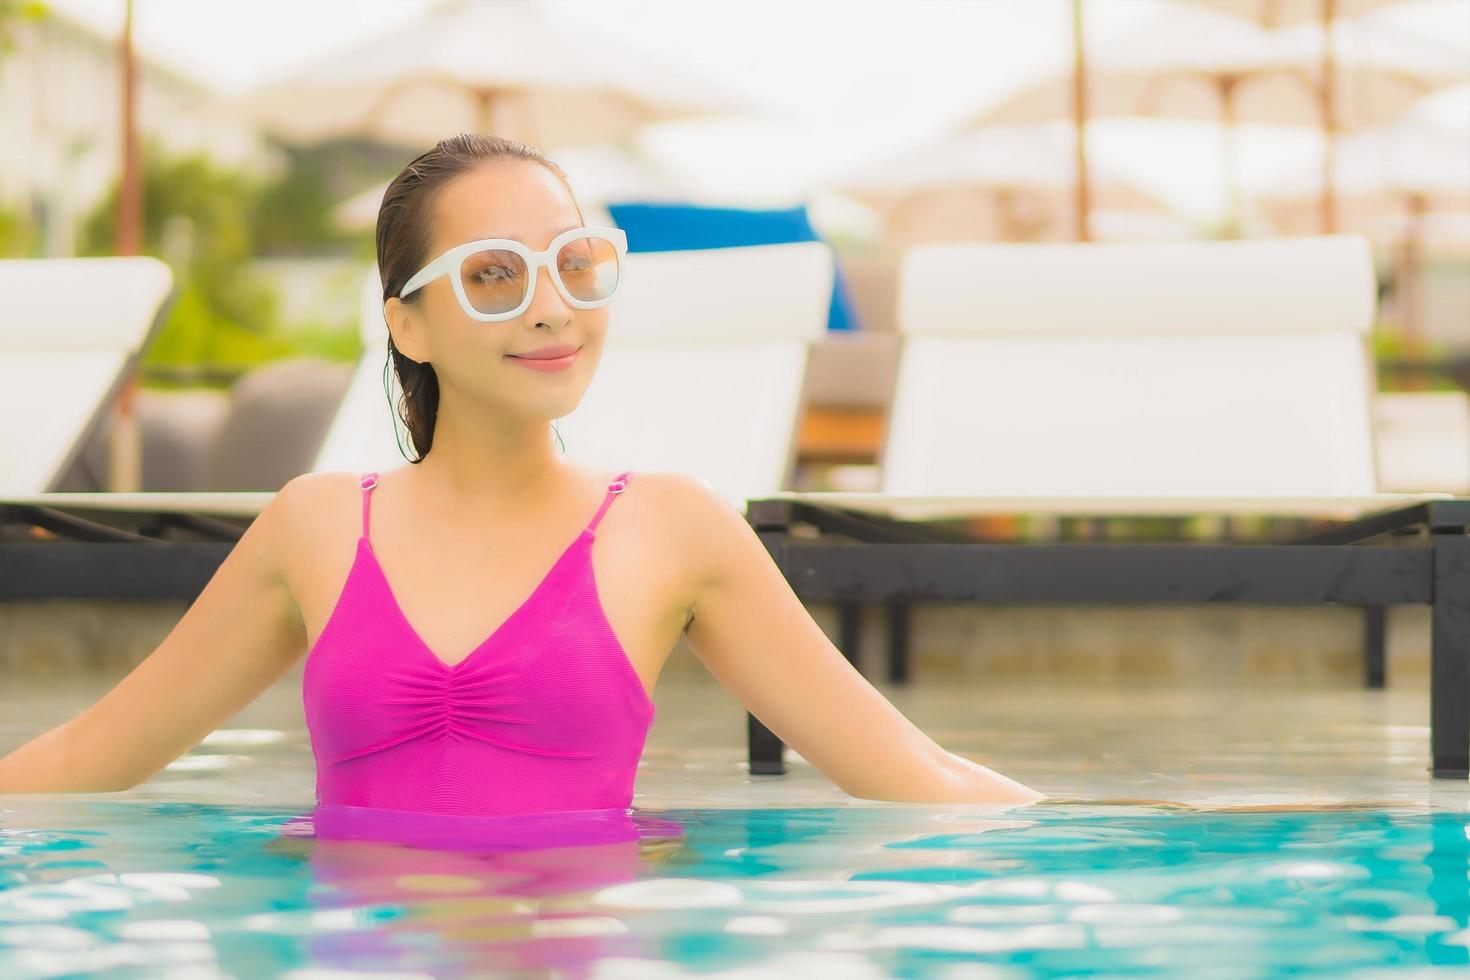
(405, 220)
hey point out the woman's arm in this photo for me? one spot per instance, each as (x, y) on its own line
(759, 641)
(239, 636)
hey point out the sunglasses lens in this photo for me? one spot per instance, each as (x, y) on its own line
(588, 267)
(494, 280)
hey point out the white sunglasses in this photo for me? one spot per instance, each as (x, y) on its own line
(495, 278)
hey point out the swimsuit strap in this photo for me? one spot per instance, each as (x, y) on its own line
(618, 485)
(369, 480)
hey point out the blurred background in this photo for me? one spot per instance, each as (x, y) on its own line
(248, 145)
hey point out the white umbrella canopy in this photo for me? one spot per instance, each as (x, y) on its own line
(1183, 63)
(1376, 187)
(758, 159)
(1439, 234)
(513, 67)
(1388, 163)
(1426, 153)
(1180, 161)
(1387, 61)
(1288, 13)
(598, 173)
(958, 213)
(1011, 183)
(1405, 185)
(1434, 32)
(1194, 64)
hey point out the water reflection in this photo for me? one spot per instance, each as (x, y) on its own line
(1254, 886)
(488, 886)
(532, 855)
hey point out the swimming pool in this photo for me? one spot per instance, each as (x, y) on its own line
(192, 889)
(212, 868)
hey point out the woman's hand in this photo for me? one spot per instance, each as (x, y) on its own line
(239, 636)
(755, 636)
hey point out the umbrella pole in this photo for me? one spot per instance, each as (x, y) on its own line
(1228, 85)
(1079, 121)
(1003, 200)
(1411, 307)
(485, 104)
(1328, 95)
(124, 450)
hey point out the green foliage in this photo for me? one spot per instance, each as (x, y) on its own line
(293, 216)
(1388, 341)
(333, 342)
(196, 216)
(195, 333)
(1388, 346)
(205, 221)
(19, 236)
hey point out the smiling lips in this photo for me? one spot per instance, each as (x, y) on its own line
(555, 350)
(548, 358)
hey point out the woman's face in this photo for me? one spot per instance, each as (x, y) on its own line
(504, 199)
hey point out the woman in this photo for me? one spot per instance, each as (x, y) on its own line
(410, 703)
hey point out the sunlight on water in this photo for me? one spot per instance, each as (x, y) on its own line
(1057, 889)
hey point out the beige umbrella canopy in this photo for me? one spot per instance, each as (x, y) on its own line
(1193, 64)
(1007, 183)
(1407, 182)
(513, 68)
(1425, 153)
(598, 173)
(1419, 62)
(1175, 66)
(1288, 13)
(1439, 234)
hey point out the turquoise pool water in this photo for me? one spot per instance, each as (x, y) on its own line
(141, 888)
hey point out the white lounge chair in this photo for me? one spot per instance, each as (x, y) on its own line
(72, 332)
(704, 365)
(1136, 378)
(365, 433)
(702, 372)
(690, 330)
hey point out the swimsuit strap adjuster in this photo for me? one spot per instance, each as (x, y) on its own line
(370, 481)
(618, 486)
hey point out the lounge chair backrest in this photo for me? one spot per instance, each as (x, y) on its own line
(361, 434)
(1213, 368)
(704, 364)
(701, 371)
(71, 330)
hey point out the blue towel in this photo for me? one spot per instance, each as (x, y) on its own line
(673, 227)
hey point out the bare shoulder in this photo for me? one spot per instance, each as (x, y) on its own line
(307, 491)
(706, 525)
(300, 506)
(298, 522)
(685, 500)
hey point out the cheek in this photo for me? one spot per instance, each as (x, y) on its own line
(595, 328)
(464, 347)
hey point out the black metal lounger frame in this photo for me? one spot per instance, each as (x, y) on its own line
(1422, 555)
(111, 554)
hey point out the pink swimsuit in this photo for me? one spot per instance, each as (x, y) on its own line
(546, 714)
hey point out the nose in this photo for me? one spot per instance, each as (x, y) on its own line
(547, 305)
